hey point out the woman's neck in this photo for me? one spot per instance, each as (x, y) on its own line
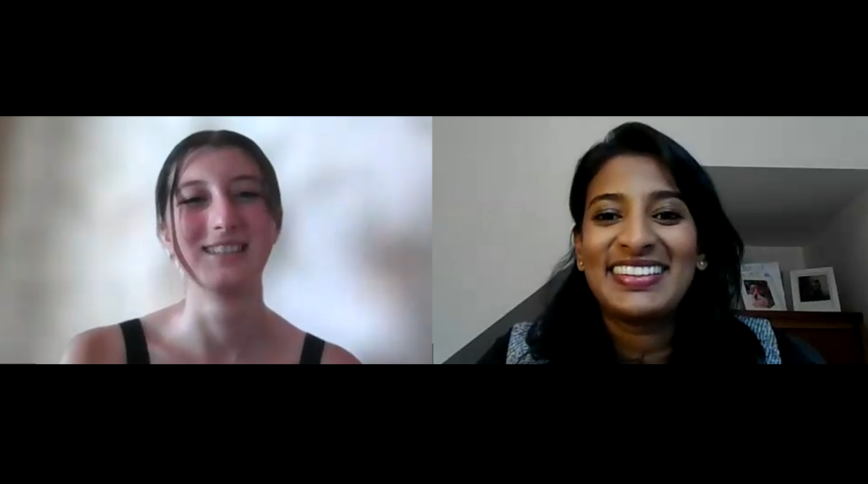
(224, 323)
(645, 342)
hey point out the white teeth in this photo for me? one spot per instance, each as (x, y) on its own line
(638, 271)
(224, 249)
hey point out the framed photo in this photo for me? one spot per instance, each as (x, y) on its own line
(762, 287)
(815, 290)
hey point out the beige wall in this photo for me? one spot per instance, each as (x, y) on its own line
(844, 246)
(502, 184)
(78, 245)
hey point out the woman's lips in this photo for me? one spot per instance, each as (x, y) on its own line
(638, 278)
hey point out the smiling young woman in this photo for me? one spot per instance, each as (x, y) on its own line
(653, 273)
(219, 214)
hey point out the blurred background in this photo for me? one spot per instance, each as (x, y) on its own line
(78, 243)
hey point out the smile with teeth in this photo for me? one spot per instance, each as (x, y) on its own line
(225, 249)
(638, 271)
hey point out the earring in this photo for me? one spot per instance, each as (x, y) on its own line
(702, 265)
(581, 266)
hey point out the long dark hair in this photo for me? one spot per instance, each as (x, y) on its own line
(571, 327)
(167, 180)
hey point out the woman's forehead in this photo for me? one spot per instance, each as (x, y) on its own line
(218, 164)
(632, 171)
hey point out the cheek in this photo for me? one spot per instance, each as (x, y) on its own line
(259, 220)
(192, 227)
(595, 246)
(682, 243)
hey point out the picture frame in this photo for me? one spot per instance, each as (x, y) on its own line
(762, 287)
(815, 290)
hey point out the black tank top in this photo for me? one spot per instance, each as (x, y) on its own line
(137, 346)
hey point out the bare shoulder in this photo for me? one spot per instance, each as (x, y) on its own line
(332, 354)
(161, 316)
(335, 355)
(103, 345)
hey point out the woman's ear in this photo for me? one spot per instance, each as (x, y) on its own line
(275, 233)
(166, 238)
(577, 249)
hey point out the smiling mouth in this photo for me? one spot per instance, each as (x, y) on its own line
(638, 278)
(639, 271)
(225, 249)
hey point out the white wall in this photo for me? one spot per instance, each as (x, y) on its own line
(843, 245)
(789, 259)
(502, 185)
(78, 245)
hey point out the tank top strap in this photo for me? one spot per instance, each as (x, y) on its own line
(311, 352)
(135, 342)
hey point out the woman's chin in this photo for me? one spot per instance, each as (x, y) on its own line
(640, 310)
(229, 282)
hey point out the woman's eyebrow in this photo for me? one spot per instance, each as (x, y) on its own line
(238, 178)
(655, 196)
(252, 178)
(661, 195)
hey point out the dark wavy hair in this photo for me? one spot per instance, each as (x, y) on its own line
(571, 328)
(167, 180)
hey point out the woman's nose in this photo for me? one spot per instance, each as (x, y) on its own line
(636, 234)
(224, 215)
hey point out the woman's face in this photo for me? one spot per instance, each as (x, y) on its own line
(223, 225)
(638, 242)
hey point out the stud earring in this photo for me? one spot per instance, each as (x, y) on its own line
(702, 265)
(581, 266)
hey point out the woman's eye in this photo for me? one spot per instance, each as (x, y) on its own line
(606, 216)
(191, 200)
(249, 195)
(668, 216)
